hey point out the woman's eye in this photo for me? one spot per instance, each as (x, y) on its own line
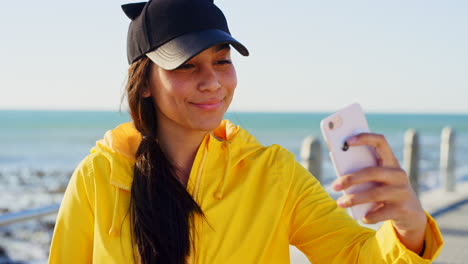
(224, 62)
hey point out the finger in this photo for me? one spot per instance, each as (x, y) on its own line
(378, 206)
(389, 176)
(388, 211)
(382, 148)
(385, 194)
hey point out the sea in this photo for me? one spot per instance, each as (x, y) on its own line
(40, 149)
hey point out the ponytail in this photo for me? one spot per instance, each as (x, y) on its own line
(161, 207)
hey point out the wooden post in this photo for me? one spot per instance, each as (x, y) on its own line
(447, 159)
(311, 156)
(411, 158)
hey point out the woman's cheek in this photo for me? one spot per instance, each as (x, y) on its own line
(232, 80)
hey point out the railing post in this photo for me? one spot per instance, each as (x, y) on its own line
(311, 156)
(447, 159)
(411, 158)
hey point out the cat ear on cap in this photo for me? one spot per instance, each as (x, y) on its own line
(133, 10)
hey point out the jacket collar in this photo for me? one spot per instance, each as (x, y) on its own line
(120, 145)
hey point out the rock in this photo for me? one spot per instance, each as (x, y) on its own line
(8, 233)
(4, 259)
(49, 226)
(2, 253)
(40, 174)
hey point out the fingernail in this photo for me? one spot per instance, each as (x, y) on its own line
(337, 186)
(352, 140)
(341, 202)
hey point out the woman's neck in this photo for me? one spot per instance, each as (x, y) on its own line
(181, 146)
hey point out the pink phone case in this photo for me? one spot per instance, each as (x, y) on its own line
(336, 129)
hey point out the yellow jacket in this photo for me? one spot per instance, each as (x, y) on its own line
(257, 201)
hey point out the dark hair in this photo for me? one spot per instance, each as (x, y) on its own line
(161, 208)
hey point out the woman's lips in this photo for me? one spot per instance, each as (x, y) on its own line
(211, 105)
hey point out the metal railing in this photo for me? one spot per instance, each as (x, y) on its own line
(27, 214)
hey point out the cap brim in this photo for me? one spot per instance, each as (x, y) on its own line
(177, 51)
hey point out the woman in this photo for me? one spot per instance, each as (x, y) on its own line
(179, 185)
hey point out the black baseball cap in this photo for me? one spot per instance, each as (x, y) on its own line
(170, 32)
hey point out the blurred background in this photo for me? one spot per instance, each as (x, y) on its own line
(63, 72)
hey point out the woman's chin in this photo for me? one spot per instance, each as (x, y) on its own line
(209, 125)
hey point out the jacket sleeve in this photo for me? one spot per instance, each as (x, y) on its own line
(325, 233)
(72, 241)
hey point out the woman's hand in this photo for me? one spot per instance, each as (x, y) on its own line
(395, 198)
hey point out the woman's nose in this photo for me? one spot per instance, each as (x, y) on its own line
(209, 79)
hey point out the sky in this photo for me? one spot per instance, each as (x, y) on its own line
(306, 56)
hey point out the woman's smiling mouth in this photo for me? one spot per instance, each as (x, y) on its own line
(208, 105)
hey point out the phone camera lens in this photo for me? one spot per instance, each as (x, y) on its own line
(345, 146)
(330, 125)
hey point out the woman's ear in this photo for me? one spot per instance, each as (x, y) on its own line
(146, 93)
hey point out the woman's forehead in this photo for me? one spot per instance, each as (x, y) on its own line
(220, 47)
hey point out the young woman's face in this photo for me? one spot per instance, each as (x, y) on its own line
(196, 95)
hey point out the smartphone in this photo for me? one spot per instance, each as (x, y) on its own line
(336, 129)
